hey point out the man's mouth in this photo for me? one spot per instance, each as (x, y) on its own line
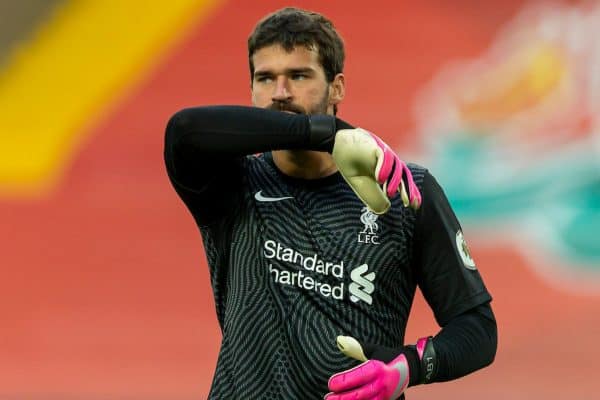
(288, 108)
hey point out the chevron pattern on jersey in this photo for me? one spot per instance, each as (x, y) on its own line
(279, 311)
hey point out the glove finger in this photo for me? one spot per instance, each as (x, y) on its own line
(351, 347)
(363, 374)
(372, 391)
(352, 396)
(414, 196)
(404, 195)
(385, 165)
(385, 160)
(396, 178)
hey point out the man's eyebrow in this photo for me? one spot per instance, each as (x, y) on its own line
(300, 70)
(289, 71)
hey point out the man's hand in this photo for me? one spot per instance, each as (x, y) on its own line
(373, 379)
(366, 162)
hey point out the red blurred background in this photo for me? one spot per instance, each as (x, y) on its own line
(106, 291)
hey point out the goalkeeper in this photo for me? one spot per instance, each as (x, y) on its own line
(317, 236)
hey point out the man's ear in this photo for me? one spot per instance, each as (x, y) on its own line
(337, 89)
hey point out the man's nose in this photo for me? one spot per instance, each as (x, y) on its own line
(282, 92)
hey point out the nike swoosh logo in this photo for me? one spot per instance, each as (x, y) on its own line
(259, 196)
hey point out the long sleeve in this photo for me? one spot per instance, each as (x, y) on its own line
(205, 147)
(453, 287)
(455, 291)
(468, 342)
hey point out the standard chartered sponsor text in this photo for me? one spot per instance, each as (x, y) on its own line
(276, 251)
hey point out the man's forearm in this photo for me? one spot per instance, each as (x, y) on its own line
(467, 343)
(204, 147)
(206, 144)
(238, 130)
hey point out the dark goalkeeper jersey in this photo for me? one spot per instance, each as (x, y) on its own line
(294, 263)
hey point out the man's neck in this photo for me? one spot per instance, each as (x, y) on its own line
(304, 164)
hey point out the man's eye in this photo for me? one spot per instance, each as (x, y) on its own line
(264, 79)
(299, 77)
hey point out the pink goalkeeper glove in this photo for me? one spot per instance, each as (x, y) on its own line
(373, 170)
(371, 380)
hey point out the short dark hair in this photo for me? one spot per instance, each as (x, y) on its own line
(290, 27)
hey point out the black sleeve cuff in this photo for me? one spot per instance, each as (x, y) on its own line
(414, 365)
(322, 131)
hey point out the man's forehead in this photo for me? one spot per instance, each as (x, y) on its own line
(276, 54)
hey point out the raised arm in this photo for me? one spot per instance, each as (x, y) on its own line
(205, 147)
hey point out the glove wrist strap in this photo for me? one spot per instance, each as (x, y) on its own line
(428, 359)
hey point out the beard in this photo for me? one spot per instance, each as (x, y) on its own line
(315, 109)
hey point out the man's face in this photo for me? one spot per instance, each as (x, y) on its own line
(293, 81)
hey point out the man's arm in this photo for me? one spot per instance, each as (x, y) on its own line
(204, 149)
(453, 287)
(467, 343)
(205, 146)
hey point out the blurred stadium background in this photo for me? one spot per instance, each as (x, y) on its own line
(105, 289)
